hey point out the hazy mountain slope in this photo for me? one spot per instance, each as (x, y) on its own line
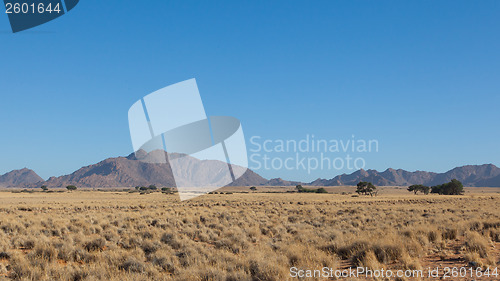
(19, 178)
(116, 172)
(470, 175)
(142, 169)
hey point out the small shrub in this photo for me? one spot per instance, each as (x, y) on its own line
(171, 240)
(95, 245)
(476, 243)
(132, 265)
(43, 251)
(150, 248)
(4, 256)
(450, 234)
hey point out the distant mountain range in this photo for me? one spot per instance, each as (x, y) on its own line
(135, 170)
(487, 175)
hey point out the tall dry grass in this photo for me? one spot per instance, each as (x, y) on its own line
(239, 237)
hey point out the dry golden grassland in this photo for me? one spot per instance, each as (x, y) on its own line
(92, 235)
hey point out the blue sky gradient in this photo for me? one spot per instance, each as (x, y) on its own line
(421, 77)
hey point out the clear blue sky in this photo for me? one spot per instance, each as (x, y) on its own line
(421, 77)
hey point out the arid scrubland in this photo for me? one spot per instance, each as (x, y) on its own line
(126, 236)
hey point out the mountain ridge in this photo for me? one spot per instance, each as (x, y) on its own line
(485, 175)
(19, 177)
(140, 169)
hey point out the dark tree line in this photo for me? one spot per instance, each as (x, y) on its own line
(454, 187)
(301, 189)
(145, 188)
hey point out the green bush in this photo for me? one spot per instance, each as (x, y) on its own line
(454, 187)
(301, 189)
(321, 190)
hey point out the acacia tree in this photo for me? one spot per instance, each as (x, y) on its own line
(419, 188)
(454, 187)
(366, 188)
(71, 187)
